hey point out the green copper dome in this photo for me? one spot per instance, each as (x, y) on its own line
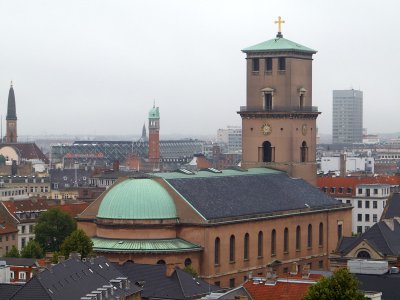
(137, 199)
(154, 113)
(279, 44)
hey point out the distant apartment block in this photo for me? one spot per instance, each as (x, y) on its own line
(353, 163)
(231, 138)
(347, 118)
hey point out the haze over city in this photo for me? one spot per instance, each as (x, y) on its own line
(96, 67)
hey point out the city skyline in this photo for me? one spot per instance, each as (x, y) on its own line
(96, 68)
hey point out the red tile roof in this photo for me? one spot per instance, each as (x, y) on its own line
(73, 209)
(26, 205)
(7, 227)
(28, 151)
(352, 182)
(290, 287)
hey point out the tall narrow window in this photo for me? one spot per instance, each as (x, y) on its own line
(298, 238)
(217, 251)
(281, 64)
(268, 64)
(268, 101)
(267, 152)
(321, 234)
(273, 242)
(232, 248)
(260, 244)
(286, 240)
(246, 246)
(303, 152)
(309, 236)
(256, 65)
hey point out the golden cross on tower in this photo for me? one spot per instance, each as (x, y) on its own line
(279, 22)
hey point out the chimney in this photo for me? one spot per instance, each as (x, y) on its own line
(169, 269)
(294, 269)
(61, 258)
(342, 165)
(306, 271)
(116, 165)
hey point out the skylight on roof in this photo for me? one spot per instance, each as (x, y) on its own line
(185, 171)
(213, 170)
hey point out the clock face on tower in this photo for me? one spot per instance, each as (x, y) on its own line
(266, 129)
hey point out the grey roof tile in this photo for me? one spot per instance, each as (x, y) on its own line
(249, 195)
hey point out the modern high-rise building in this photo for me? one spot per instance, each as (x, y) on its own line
(347, 119)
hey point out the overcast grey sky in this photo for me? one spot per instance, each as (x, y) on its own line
(95, 67)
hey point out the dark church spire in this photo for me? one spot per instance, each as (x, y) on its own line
(11, 110)
(144, 134)
(11, 134)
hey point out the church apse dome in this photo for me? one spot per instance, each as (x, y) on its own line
(137, 199)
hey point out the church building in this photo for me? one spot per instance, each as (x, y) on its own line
(231, 224)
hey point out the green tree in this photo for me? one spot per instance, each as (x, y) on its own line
(189, 269)
(341, 285)
(13, 252)
(32, 250)
(52, 227)
(78, 241)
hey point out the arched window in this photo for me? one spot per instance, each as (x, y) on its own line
(161, 262)
(309, 236)
(273, 242)
(286, 240)
(363, 254)
(303, 152)
(260, 244)
(188, 262)
(246, 246)
(298, 238)
(232, 248)
(321, 234)
(216, 251)
(267, 152)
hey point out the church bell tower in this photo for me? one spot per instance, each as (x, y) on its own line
(11, 118)
(279, 121)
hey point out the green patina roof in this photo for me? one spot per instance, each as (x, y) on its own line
(278, 44)
(138, 199)
(154, 113)
(227, 172)
(148, 246)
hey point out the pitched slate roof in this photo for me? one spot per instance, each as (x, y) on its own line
(388, 284)
(392, 208)
(240, 194)
(384, 236)
(19, 261)
(155, 283)
(8, 289)
(73, 279)
(65, 178)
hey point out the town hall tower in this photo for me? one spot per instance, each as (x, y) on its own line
(279, 121)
